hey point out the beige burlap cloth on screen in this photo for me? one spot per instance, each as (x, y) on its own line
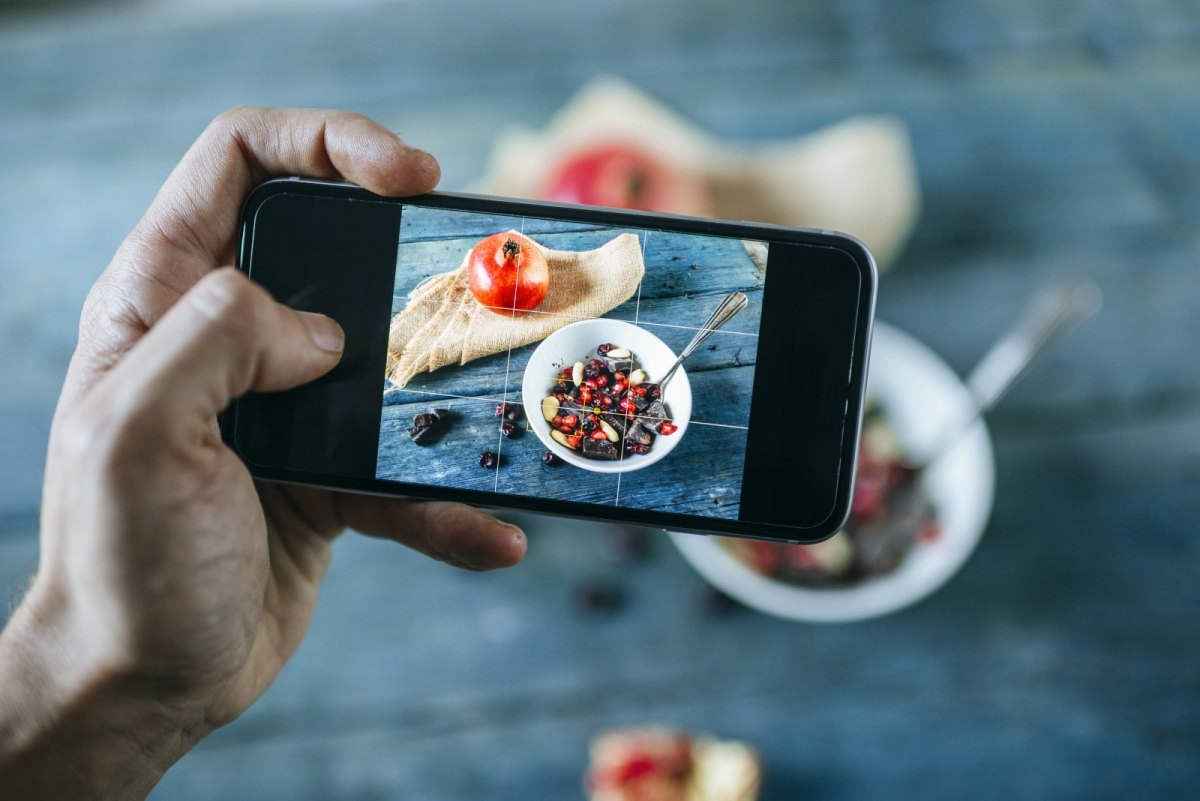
(443, 324)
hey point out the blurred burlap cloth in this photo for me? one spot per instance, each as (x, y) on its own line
(444, 324)
(857, 176)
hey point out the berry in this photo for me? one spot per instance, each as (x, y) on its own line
(605, 348)
(590, 372)
(627, 544)
(509, 429)
(550, 459)
(589, 424)
(488, 460)
(599, 597)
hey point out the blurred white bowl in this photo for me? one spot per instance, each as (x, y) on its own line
(570, 344)
(922, 399)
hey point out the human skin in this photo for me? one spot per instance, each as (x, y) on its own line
(171, 587)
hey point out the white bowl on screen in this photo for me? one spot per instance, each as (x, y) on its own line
(570, 344)
(922, 399)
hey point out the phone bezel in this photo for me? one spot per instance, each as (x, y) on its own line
(855, 391)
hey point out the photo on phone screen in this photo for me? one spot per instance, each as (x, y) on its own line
(576, 380)
(549, 386)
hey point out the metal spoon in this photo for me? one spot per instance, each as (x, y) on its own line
(1053, 313)
(731, 305)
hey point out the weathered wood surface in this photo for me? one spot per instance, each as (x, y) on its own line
(1061, 663)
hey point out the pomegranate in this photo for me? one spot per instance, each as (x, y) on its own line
(623, 176)
(508, 273)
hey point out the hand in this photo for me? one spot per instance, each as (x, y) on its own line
(172, 587)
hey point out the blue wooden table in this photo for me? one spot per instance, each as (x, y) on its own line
(1062, 662)
(686, 277)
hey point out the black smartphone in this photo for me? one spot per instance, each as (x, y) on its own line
(518, 354)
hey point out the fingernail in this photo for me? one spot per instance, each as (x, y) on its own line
(324, 331)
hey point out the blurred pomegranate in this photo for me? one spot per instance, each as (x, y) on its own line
(620, 175)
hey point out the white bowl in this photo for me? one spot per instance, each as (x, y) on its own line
(570, 344)
(923, 400)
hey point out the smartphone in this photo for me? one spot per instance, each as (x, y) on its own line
(515, 354)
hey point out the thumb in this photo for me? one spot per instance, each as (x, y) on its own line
(226, 336)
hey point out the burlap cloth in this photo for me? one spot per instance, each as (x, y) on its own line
(444, 324)
(858, 176)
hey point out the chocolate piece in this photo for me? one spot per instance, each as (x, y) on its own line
(429, 426)
(639, 434)
(600, 449)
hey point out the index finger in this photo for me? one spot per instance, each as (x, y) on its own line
(197, 208)
(190, 228)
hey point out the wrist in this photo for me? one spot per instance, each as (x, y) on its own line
(74, 723)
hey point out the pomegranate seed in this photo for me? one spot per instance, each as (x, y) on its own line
(590, 384)
(566, 373)
(560, 396)
(606, 401)
(585, 396)
(598, 434)
(570, 420)
(639, 391)
(601, 380)
(667, 428)
(573, 440)
(619, 376)
(620, 386)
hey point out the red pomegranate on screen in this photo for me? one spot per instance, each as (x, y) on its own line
(508, 273)
(621, 175)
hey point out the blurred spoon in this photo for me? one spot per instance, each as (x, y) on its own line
(1053, 313)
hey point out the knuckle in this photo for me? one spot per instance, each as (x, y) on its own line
(227, 299)
(236, 117)
(82, 437)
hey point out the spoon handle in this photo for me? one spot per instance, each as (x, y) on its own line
(1053, 313)
(731, 305)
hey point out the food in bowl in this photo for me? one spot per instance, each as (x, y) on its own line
(661, 763)
(603, 407)
(891, 515)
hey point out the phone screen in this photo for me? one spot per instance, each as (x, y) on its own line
(548, 391)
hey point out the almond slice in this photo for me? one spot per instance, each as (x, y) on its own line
(549, 407)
